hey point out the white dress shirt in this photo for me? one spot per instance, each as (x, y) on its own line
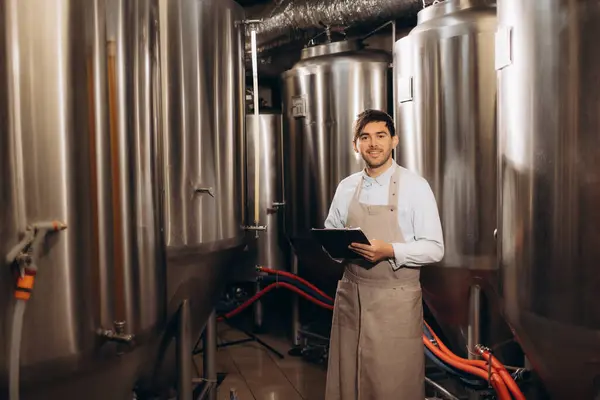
(418, 215)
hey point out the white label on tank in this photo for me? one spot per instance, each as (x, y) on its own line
(405, 89)
(503, 56)
(298, 106)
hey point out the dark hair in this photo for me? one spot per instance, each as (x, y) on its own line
(369, 116)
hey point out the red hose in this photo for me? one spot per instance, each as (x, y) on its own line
(296, 277)
(497, 375)
(508, 379)
(268, 288)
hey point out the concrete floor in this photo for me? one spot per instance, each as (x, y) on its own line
(256, 373)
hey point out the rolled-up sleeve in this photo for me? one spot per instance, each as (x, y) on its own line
(334, 218)
(428, 244)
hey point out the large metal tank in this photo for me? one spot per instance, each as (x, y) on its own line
(446, 121)
(322, 95)
(549, 97)
(203, 165)
(270, 245)
(78, 144)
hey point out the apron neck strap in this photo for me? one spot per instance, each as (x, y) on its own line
(394, 185)
(393, 190)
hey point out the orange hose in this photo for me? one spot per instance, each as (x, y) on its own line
(476, 363)
(296, 277)
(508, 379)
(493, 378)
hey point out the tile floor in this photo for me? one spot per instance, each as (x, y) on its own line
(258, 374)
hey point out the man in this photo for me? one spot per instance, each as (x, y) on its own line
(376, 349)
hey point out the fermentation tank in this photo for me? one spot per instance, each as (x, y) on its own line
(323, 94)
(270, 245)
(203, 120)
(446, 121)
(78, 144)
(549, 124)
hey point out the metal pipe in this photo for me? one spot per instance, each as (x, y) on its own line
(295, 309)
(474, 329)
(184, 353)
(210, 355)
(256, 126)
(441, 390)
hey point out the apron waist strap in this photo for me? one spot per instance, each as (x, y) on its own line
(349, 276)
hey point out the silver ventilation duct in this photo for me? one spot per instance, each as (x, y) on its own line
(290, 16)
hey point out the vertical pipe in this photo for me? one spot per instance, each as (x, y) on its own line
(210, 355)
(394, 85)
(256, 128)
(295, 310)
(474, 332)
(184, 353)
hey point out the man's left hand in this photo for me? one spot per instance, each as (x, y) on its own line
(377, 251)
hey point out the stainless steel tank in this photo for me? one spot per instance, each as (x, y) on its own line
(323, 94)
(271, 245)
(203, 112)
(446, 121)
(549, 124)
(78, 144)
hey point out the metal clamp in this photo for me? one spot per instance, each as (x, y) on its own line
(255, 228)
(247, 22)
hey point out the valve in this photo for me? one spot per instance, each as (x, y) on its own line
(25, 254)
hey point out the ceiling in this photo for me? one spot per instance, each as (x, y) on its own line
(250, 3)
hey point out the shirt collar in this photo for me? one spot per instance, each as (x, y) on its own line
(382, 179)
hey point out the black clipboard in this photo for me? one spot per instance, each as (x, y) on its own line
(335, 241)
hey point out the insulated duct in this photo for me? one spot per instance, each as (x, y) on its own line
(284, 19)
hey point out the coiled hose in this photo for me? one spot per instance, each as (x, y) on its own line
(474, 373)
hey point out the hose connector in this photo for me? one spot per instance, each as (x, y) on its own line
(24, 255)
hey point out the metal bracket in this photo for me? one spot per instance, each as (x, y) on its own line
(275, 207)
(255, 228)
(208, 190)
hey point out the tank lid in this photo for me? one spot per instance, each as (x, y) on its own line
(450, 6)
(431, 12)
(331, 48)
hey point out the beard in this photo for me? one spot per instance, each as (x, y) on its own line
(378, 162)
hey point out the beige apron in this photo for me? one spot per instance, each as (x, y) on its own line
(376, 349)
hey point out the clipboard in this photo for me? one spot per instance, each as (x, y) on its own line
(335, 241)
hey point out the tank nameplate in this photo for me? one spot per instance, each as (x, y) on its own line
(299, 106)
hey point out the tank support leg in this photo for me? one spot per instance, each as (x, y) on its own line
(210, 356)
(258, 309)
(295, 310)
(474, 332)
(184, 353)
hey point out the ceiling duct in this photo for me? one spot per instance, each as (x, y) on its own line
(282, 22)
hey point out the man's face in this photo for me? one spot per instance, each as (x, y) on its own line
(375, 144)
